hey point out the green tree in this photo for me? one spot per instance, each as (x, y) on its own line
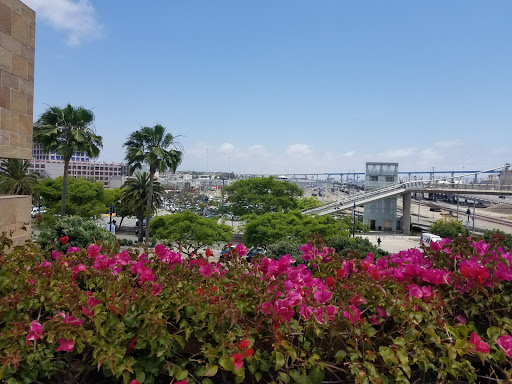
(362, 246)
(270, 228)
(448, 227)
(261, 195)
(113, 197)
(308, 203)
(190, 230)
(84, 198)
(66, 131)
(134, 197)
(15, 178)
(156, 148)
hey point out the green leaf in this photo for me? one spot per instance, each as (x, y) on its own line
(226, 363)
(340, 355)
(279, 357)
(316, 375)
(402, 356)
(180, 340)
(493, 333)
(388, 355)
(284, 377)
(182, 374)
(141, 376)
(211, 370)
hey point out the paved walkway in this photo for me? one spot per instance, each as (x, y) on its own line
(392, 242)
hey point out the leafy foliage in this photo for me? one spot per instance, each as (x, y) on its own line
(448, 227)
(190, 231)
(505, 238)
(80, 232)
(308, 203)
(94, 316)
(362, 246)
(65, 131)
(15, 178)
(84, 198)
(269, 228)
(261, 195)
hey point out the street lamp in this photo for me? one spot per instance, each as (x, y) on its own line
(354, 220)
(468, 212)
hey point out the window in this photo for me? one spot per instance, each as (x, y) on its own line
(53, 157)
(374, 178)
(390, 179)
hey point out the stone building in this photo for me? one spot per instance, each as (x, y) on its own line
(17, 48)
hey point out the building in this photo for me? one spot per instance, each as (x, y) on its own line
(17, 49)
(381, 215)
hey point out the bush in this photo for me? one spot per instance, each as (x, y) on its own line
(448, 227)
(94, 317)
(80, 232)
(285, 247)
(355, 244)
(505, 238)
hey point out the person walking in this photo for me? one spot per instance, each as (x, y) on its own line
(378, 241)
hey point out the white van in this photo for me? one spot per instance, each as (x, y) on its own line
(427, 238)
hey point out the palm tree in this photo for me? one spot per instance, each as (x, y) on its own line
(134, 195)
(15, 178)
(158, 149)
(65, 131)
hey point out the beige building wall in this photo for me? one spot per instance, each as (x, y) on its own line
(17, 43)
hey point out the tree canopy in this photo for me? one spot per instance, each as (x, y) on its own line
(261, 195)
(269, 228)
(15, 178)
(66, 131)
(448, 227)
(85, 198)
(190, 230)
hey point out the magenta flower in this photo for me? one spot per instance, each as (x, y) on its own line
(237, 360)
(355, 316)
(72, 320)
(93, 250)
(93, 302)
(505, 342)
(480, 346)
(134, 382)
(157, 288)
(415, 291)
(241, 249)
(35, 332)
(65, 345)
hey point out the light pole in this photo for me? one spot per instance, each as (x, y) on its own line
(468, 212)
(354, 220)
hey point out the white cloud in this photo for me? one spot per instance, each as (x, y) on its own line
(227, 148)
(399, 153)
(299, 149)
(350, 154)
(76, 18)
(449, 143)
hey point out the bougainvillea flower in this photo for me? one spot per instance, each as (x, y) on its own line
(65, 345)
(356, 300)
(505, 342)
(35, 332)
(237, 360)
(134, 382)
(56, 255)
(208, 252)
(244, 343)
(321, 296)
(157, 288)
(86, 311)
(249, 352)
(480, 346)
(132, 344)
(355, 316)
(182, 382)
(93, 302)
(72, 320)
(340, 273)
(329, 281)
(64, 239)
(241, 250)
(415, 291)
(472, 270)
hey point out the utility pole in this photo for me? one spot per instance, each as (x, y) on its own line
(354, 220)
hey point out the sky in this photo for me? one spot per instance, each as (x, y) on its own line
(287, 86)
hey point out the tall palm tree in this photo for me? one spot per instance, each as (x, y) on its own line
(15, 178)
(134, 195)
(65, 131)
(158, 149)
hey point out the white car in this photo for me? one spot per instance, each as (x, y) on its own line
(37, 210)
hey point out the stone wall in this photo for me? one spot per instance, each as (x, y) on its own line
(17, 42)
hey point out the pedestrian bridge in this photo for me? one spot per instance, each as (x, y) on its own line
(446, 186)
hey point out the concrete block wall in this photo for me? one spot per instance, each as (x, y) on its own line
(17, 43)
(17, 48)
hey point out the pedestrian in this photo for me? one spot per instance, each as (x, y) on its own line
(378, 241)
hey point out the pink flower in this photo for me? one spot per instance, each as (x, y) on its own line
(93, 250)
(356, 300)
(505, 342)
(65, 345)
(93, 302)
(134, 382)
(71, 320)
(36, 330)
(157, 288)
(64, 239)
(237, 360)
(133, 344)
(241, 249)
(249, 352)
(355, 316)
(182, 382)
(321, 296)
(244, 343)
(415, 291)
(460, 319)
(86, 311)
(480, 346)
(73, 249)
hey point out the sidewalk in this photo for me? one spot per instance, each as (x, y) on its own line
(392, 242)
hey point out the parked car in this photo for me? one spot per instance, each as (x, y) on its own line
(254, 252)
(227, 251)
(501, 197)
(37, 210)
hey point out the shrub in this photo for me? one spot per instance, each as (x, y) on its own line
(355, 244)
(93, 316)
(79, 231)
(285, 247)
(505, 238)
(448, 227)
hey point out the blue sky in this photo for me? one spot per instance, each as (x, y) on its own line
(287, 86)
